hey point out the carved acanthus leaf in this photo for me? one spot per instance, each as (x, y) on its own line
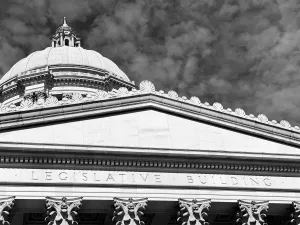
(147, 87)
(295, 216)
(195, 100)
(51, 101)
(251, 213)
(76, 97)
(193, 212)
(129, 211)
(285, 124)
(26, 104)
(240, 112)
(62, 211)
(6, 205)
(218, 106)
(99, 95)
(262, 118)
(173, 95)
(121, 92)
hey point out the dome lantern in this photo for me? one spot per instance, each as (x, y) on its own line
(65, 36)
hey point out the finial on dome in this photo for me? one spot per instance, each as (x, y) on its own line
(65, 22)
(65, 36)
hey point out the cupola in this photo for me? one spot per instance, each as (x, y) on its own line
(65, 36)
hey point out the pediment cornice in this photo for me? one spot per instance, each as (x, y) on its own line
(21, 155)
(76, 106)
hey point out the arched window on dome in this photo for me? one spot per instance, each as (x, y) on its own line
(67, 41)
(77, 44)
(54, 44)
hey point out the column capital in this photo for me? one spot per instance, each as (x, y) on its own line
(62, 211)
(252, 212)
(6, 205)
(129, 211)
(193, 211)
(295, 216)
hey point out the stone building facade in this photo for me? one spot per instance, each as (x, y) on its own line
(80, 143)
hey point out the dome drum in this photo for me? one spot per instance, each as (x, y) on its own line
(59, 78)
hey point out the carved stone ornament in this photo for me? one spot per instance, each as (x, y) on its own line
(62, 211)
(6, 205)
(147, 86)
(252, 213)
(44, 100)
(129, 212)
(295, 216)
(193, 212)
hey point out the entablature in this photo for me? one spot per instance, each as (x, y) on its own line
(131, 159)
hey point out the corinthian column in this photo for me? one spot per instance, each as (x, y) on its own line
(6, 205)
(129, 211)
(62, 211)
(252, 213)
(295, 216)
(193, 212)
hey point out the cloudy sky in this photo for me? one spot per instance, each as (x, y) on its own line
(241, 53)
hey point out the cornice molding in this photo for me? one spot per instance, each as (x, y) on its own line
(193, 166)
(61, 69)
(122, 100)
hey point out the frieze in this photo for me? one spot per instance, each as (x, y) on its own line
(147, 87)
(145, 178)
(77, 74)
(101, 177)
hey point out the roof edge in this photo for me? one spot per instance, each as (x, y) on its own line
(121, 100)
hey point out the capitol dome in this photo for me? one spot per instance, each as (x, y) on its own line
(65, 68)
(66, 56)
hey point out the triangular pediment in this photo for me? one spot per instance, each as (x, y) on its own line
(147, 128)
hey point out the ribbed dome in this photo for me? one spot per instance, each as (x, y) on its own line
(64, 55)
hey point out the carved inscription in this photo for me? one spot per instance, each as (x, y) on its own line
(144, 178)
(155, 178)
(229, 180)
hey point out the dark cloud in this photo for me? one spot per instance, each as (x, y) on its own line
(241, 53)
